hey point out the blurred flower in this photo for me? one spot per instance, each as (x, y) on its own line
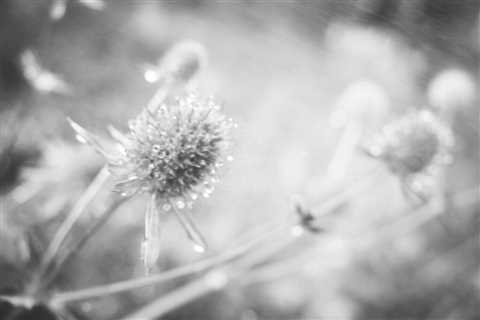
(39, 78)
(179, 65)
(414, 147)
(364, 103)
(63, 172)
(360, 109)
(451, 89)
(172, 152)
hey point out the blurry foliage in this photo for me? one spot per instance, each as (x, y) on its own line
(279, 77)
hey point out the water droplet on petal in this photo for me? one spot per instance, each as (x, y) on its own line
(80, 138)
(198, 248)
(151, 76)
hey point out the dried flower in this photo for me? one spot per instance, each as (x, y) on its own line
(414, 147)
(172, 152)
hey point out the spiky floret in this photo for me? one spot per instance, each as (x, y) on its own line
(414, 146)
(174, 149)
(171, 151)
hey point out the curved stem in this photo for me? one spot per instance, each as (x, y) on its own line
(202, 265)
(205, 264)
(77, 246)
(67, 225)
(213, 281)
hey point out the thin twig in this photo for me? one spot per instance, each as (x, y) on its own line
(114, 288)
(77, 246)
(202, 265)
(73, 216)
(213, 281)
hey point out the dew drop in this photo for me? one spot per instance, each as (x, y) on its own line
(230, 158)
(80, 139)
(151, 76)
(194, 196)
(198, 248)
(180, 204)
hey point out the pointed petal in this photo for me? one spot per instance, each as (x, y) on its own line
(192, 232)
(118, 135)
(84, 136)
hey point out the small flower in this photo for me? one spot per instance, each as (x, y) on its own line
(414, 147)
(172, 152)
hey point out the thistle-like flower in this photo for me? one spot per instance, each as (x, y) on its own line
(172, 152)
(414, 147)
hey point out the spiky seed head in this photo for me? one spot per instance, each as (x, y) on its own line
(174, 149)
(414, 143)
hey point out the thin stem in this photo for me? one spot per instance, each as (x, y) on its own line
(213, 281)
(191, 230)
(202, 265)
(78, 245)
(158, 97)
(73, 216)
(268, 234)
(406, 224)
(206, 285)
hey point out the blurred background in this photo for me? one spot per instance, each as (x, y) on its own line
(281, 69)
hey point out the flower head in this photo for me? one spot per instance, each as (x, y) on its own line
(414, 146)
(171, 152)
(174, 150)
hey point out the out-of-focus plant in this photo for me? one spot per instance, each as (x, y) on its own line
(414, 147)
(171, 153)
(59, 7)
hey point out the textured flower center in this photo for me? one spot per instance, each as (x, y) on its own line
(177, 147)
